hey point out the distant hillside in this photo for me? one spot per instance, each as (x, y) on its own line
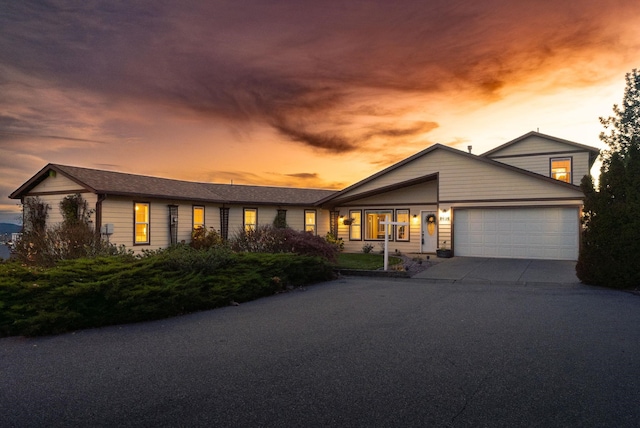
(9, 228)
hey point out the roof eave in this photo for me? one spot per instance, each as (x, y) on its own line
(381, 173)
(549, 137)
(384, 189)
(40, 176)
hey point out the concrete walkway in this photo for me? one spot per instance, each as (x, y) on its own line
(488, 270)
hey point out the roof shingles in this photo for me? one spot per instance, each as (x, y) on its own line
(117, 183)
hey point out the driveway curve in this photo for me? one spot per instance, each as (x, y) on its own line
(354, 352)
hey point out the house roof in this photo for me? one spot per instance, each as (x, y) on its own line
(329, 200)
(124, 184)
(380, 190)
(593, 151)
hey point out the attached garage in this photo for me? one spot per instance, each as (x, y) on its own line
(536, 233)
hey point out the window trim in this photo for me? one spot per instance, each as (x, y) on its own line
(358, 224)
(193, 216)
(136, 223)
(366, 229)
(562, 158)
(397, 227)
(315, 221)
(244, 218)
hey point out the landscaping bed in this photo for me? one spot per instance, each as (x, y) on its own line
(85, 293)
(369, 264)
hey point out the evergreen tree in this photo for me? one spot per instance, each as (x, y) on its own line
(610, 246)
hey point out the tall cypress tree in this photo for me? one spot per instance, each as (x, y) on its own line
(610, 246)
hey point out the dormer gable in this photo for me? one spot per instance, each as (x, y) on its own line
(550, 156)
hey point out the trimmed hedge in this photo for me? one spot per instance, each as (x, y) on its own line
(86, 293)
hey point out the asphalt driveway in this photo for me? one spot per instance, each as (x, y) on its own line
(357, 352)
(496, 271)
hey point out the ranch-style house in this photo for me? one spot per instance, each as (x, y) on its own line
(519, 200)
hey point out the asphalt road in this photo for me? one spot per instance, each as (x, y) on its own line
(357, 352)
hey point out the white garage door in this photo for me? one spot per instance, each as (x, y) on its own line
(536, 233)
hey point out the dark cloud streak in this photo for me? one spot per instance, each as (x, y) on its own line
(298, 66)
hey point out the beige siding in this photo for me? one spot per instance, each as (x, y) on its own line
(540, 164)
(119, 212)
(533, 145)
(416, 194)
(445, 222)
(411, 246)
(267, 214)
(463, 181)
(323, 219)
(59, 183)
(52, 190)
(55, 216)
(463, 178)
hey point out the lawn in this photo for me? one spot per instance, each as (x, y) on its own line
(364, 261)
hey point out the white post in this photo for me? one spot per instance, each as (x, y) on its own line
(386, 244)
(386, 238)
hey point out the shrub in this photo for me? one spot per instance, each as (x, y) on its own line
(36, 213)
(610, 244)
(332, 239)
(186, 259)
(63, 242)
(367, 248)
(85, 293)
(75, 210)
(268, 239)
(73, 238)
(202, 238)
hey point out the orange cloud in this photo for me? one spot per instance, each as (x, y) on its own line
(346, 88)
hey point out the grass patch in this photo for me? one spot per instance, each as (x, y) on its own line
(364, 261)
(85, 293)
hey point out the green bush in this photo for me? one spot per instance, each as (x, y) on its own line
(332, 239)
(202, 238)
(84, 293)
(269, 239)
(610, 244)
(74, 238)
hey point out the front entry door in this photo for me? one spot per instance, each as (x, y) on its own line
(429, 232)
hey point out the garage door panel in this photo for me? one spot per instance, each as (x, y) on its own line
(541, 233)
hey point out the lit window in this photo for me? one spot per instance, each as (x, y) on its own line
(374, 228)
(141, 215)
(355, 229)
(561, 169)
(250, 219)
(310, 221)
(402, 231)
(198, 218)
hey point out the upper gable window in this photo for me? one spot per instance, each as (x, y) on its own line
(561, 169)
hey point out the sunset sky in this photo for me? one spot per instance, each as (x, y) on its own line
(297, 93)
